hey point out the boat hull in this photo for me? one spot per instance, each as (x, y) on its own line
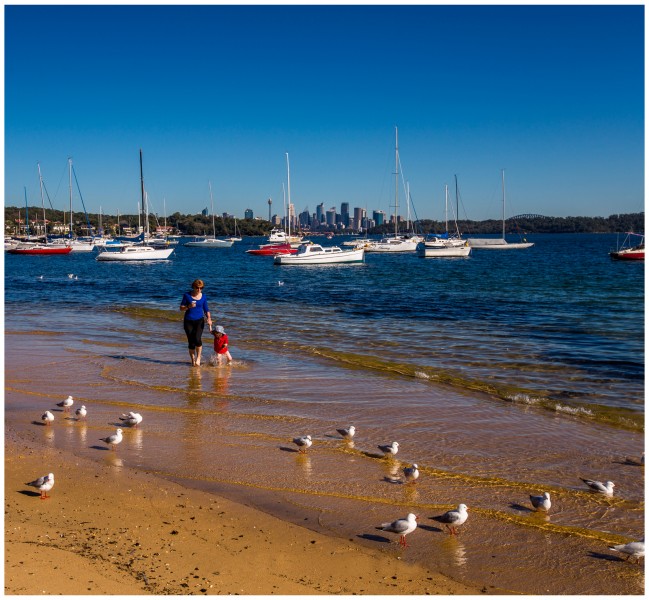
(493, 244)
(209, 243)
(131, 254)
(631, 254)
(272, 250)
(429, 251)
(47, 250)
(333, 258)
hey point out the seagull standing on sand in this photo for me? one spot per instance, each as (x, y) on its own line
(632, 549)
(81, 412)
(598, 486)
(303, 442)
(66, 404)
(132, 419)
(348, 432)
(43, 484)
(541, 502)
(389, 449)
(401, 526)
(113, 440)
(454, 518)
(411, 473)
(47, 417)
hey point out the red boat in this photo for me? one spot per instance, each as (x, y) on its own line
(39, 249)
(629, 252)
(273, 249)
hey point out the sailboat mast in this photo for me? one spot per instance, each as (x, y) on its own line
(70, 172)
(396, 180)
(288, 185)
(212, 210)
(26, 212)
(503, 177)
(446, 205)
(144, 215)
(40, 179)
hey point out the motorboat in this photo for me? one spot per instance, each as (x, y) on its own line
(272, 250)
(39, 249)
(443, 247)
(629, 250)
(132, 253)
(315, 254)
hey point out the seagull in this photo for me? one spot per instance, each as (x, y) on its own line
(454, 518)
(541, 502)
(67, 403)
(70, 275)
(132, 419)
(401, 526)
(632, 549)
(43, 484)
(598, 486)
(280, 283)
(348, 432)
(392, 448)
(411, 473)
(303, 442)
(113, 440)
(47, 417)
(81, 412)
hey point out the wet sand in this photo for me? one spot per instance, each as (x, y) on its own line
(119, 531)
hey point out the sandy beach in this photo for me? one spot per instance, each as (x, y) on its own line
(108, 530)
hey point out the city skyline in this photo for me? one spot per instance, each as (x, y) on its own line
(552, 94)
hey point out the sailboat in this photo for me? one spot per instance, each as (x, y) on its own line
(136, 252)
(32, 248)
(397, 242)
(235, 237)
(444, 244)
(210, 242)
(502, 243)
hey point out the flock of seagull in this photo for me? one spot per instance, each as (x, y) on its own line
(452, 519)
(457, 517)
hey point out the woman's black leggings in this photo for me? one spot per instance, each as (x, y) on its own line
(194, 330)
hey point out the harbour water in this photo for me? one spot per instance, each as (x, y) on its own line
(503, 374)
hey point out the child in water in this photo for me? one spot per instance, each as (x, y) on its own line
(221, 344)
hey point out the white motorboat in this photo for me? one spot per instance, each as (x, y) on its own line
(499, 243)
(134, 252)
(315, 254)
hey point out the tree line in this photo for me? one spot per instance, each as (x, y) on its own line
(200, 225)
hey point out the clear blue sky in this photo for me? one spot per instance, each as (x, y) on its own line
(552, 94)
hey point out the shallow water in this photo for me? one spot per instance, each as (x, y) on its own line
(488, 419)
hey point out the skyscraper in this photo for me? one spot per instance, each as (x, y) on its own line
(344, 213)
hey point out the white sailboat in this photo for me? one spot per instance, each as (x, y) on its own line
(210, 242)
(502, 243)
(136, 252)
(235, 237)
(397, 242)
(444, 245)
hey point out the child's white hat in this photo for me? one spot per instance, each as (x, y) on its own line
(218, 329)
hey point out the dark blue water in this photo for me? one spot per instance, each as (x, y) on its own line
(560, 321)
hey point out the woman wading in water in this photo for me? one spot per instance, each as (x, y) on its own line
(197, 312)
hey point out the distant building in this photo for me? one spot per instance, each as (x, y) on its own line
(344, 213)
(378, 216)
(320, 212)
(359, 216)
(205, 212)
(331, 216)
(248, 214)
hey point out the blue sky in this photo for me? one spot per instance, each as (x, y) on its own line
(552, 94)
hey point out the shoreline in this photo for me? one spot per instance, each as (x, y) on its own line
(114, 530)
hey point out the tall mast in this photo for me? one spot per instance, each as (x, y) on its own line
(144, 216)
(503, 176)
(396, 180)
(212, 210)
(288, 185)
(70, 171)
(446, 205)
(40, 179)
(26, 213)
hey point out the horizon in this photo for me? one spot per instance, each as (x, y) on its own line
(552, 94)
